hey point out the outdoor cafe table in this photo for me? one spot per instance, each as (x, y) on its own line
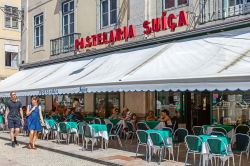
(155, 124)
(100, 130)
(205, 149)
(229, 128)
(166, 135)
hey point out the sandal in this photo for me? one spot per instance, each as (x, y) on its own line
(34, 147)
(29, 146)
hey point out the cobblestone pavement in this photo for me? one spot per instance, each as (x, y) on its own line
(50, 153)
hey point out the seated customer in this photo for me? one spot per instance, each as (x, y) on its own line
(115, 114)
(134, 119)
(151, 116)
(165, 118)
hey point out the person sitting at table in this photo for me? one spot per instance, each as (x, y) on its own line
(175, 120)
(151, 116)
(127, 114)
(134, 120)
(115, 114)
(165, 118)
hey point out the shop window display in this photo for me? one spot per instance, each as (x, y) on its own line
(231, 108)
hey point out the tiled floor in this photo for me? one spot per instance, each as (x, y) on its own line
(51, 153)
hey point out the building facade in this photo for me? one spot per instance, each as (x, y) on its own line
(52, 27)
(10, 37)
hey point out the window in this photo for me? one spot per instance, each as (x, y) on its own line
(105, 103)
(68, 17)
(174, 3)
(182, 2)
(108, 12)
(11, 17)
(11, 59)
(38, 30)
(235, 2)
(68, 24)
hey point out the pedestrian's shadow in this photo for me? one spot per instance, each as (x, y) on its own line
(9, 144)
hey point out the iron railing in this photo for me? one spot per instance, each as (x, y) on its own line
(212, 10)
(64, 44)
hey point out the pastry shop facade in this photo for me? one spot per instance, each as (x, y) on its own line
(202, 75)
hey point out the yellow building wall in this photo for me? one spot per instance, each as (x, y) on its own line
(8, 36)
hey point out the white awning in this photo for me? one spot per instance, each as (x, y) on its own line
(213, 62)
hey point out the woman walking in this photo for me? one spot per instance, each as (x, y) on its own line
(34, 115)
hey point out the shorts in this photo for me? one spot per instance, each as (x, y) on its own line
(14, 123)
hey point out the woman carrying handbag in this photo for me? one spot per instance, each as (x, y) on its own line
(34, 120)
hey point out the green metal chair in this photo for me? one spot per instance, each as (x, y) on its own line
(80, 127)
(240, 144)
(179, 139)
(198, 130)
(168, 129)
(194, 146)
(218, 149)
(142, 137)
(116, 133)
(130, 131)
(2, 122)
(142, 126)
(63, 128)
(243, 129)
(88, 136)
(158, 143)
(218, 133)
(220, 129)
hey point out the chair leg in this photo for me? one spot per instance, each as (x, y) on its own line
(194, 158)
(137, 150)
(186, 158)
(119, 140)
(233, 160)
(160, 156)
(146, 153)
(200, 160)
(178, 153)
(132, 138)
(240, 159)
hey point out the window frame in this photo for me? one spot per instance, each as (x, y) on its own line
(11, 59)
(40, 32)
(68, 14)
(176, 5)
(11, 16)
(109, 14)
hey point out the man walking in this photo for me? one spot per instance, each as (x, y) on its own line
(12, 117)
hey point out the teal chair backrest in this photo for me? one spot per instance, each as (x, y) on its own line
(194, 143)
(62, 127)
(241, 142)
(81, 127)
(1, 119)
(216, 146)
(156, 139)
(142, 136)
(180, 134)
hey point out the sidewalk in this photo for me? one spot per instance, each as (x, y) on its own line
(49, 152)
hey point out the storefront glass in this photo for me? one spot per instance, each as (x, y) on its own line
(172, 101)
(105, 102)
(231, 107)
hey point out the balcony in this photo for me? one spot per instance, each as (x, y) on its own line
(63, 44)
(213, 10)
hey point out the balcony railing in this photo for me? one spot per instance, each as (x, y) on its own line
(63, 44)
(211, 10)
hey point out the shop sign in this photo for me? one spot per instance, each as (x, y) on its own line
(162, 23)
(48, 91)
(83, 89)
